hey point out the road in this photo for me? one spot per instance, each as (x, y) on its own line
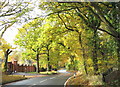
(57, 80)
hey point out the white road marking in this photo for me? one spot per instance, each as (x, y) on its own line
(52, 77)
(43, 81)
(32, 85)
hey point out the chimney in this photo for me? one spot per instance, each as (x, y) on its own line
(15, 62)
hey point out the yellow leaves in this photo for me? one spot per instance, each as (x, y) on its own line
(26, 26)
(47, 25)
(21, 30)
(12, 18)
(28, 2)
(102, 43)
(4, 45)
(89, 61)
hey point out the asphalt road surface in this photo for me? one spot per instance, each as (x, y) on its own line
(57, 80)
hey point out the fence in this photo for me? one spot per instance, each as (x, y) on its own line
(14, 67)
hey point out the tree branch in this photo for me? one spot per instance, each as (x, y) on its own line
(101, 15)
(6, 27)
(82, 15)
(63, 45)
(107, 32)
(13, 11)
(64, 23)
(61, 11)
(34, 50)
(9, 52)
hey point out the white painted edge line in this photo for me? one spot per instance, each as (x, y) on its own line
(67, 80)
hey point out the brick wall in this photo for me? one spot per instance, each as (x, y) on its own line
(15, 67)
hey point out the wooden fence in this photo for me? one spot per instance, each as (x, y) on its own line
(14, 67)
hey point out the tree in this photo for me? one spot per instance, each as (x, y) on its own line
(93, 18)
(7, 49)
(111, 20)
(79, 30)
(30, 34)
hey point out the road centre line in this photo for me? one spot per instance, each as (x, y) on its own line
(40, 82)
(52, 77)
(43, 81)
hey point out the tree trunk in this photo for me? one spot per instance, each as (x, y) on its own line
(6, 60)
(118, 52)
(72, 67)
(48, 65)
(103, 57)
(58, 61)
(83, 52)
(48, 59)
(8, 51)
(37, 56)
(95, 60)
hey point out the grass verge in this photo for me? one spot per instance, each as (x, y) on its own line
(49, 72)
(11, 78)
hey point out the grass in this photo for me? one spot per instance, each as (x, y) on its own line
(49, 72)
(45, 73)
(11, 78)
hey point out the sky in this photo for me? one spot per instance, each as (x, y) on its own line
(10, 34)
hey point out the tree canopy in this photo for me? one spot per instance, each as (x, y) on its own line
(76, 35)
